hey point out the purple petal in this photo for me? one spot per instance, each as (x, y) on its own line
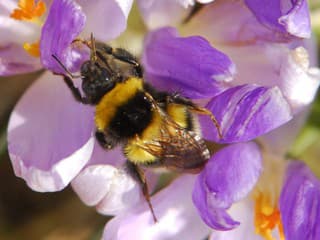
(245, 112)
(244, 212)
(64, 23)
(105, 19)
(283, 16)
(49, 135)
(278, 65)
(246, 26)
(205, 1)
(215, 218)
(177, 217)
(160, 13)
(300, 203)
(15, 60)
(280, 140)
(189, 64)
(112, 190)
(228, 177)
(100, 155)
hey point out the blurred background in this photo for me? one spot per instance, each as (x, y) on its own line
(25, 214)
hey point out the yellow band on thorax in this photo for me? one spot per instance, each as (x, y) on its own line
(120, 94)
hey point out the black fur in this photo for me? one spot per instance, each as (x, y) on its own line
(131, 118)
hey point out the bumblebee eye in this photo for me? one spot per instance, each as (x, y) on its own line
(105, 74)
(88, 68)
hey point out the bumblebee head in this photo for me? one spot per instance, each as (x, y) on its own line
(96, 81)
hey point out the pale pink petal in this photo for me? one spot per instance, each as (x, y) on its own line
(108, 188)
(227, 22)
(177, 217)
(205, 1)
(245, 22)
(277, 65)
(160, 13)
(243, 211)
(281, 139)
(15, 60)
(49, 135)
(14, 31)
(105, 19)
(100, 155)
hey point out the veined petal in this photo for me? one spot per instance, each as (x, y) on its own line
(177, 217)
(300, 203)
(243, 211)
(228, 177)
(49, 135)
(278, 65)
(245, 112)
(64, 23)
(216, 218)
(189, 65)
(110, 189)
(105, 19)
(283, 16)
(15, 60)
(160, 13)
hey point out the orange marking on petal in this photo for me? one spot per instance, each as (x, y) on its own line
(28, 10)
(33, 49)
(267, 217)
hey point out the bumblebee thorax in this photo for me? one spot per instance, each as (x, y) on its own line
(118, 96)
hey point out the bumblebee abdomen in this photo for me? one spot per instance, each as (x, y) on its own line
(152, 145)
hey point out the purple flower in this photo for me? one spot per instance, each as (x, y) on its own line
(250, 80)
(293, 215)
(281, 186)
(300, 203)
(227, 178)
(23, 21)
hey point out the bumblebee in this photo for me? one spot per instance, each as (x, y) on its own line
(155, 128)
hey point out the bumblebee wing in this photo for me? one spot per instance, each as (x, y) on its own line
(178, 148)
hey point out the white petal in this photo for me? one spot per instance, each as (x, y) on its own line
(105, 19)
(243, 212)
(281, 139)
(277, 65)
(160, 13)
(49, 135)
(14, 31)
(177, 217)
(60, 174)
(108, 188)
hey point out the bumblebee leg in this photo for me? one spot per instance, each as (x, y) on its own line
(103, 141)
(122, 55)
(75, 91)
(118, 53)
(176, 98)
(204, 111)
(68, 80)
(138, 174)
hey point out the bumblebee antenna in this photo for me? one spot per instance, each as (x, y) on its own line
(63, 66)
(93, 56)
